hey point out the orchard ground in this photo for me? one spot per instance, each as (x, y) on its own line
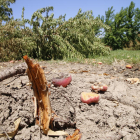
(115, 116)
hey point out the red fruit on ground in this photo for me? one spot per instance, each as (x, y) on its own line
(89, 97)
(128, 66)
(97, 88)
(103, 88)
(61, 82)
(99, 62)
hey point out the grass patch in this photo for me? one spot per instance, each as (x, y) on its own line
(129, 56)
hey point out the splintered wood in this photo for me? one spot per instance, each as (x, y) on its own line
(41, 101)
(37, 78)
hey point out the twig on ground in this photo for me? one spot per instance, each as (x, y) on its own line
(5, 133)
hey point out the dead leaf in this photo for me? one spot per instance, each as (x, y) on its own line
(72, 71)
(112, 77)
(12, 134)
(105, 74)
(85, 71)
(76, 135)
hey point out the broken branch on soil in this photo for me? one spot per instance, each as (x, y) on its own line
(18, 69)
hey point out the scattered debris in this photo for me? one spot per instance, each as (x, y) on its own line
(133, 80)
(76, 135)
(12, 134)
(56, 133)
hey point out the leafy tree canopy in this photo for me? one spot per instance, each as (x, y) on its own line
(5, 11)
(125, 26)
(52, 38)
(72, 38)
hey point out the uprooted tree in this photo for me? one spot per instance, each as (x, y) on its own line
(72, 38)
(51, 38)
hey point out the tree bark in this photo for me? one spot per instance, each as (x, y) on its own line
(37, 77)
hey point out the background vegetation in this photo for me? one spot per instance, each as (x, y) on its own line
(78, 37)
(125, 28)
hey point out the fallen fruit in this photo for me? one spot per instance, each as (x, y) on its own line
(128, 66)
(99, 62)
(103, 88)
(99, 88)
(62, 82)
(12, 61)
(89, 97)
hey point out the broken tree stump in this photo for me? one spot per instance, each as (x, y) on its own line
(37, 78)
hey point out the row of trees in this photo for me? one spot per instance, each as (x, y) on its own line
(125, 27)
(51, 38)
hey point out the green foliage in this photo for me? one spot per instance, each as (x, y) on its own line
(52, 38)
(133, 24)
(5, 11)
(125, 26)
(14, 41)
(57, 38)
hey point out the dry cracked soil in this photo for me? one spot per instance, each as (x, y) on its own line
(115, 117)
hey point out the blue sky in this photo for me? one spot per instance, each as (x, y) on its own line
(69, 7)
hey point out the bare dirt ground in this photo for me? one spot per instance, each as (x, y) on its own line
(115, 117)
